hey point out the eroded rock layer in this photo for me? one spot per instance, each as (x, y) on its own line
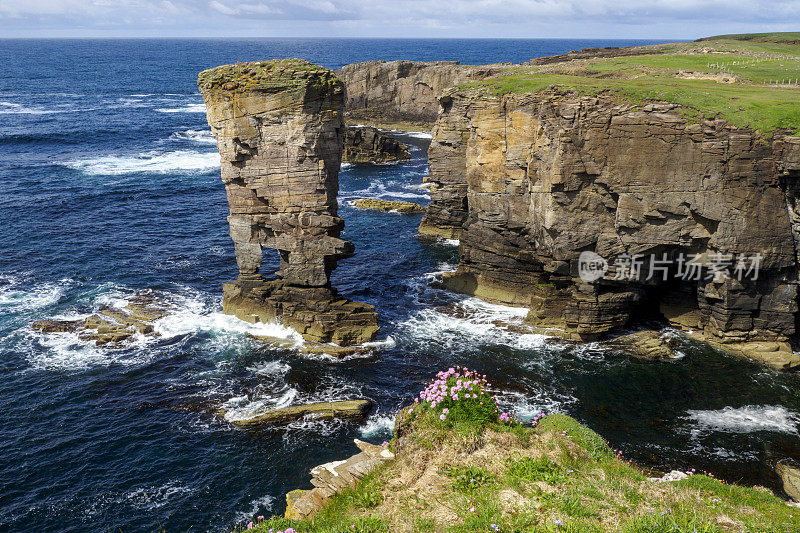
(365, 144)
(279, 128)
(530, 181)
(403, 92)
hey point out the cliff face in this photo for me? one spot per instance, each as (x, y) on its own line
(402, 91)
(532, 181)
(279, 129)
(365, 144)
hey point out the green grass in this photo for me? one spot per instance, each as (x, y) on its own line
(759, 37)
(751, 102)
(559, 476)
(574, 487)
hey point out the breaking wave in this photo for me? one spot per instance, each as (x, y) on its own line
(198, 136)
(153, 162)
(747, 419)
(189, 108)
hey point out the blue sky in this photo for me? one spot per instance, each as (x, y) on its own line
(655, 19)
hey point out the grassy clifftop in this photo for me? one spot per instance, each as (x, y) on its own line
(462, 466)
(750, 81)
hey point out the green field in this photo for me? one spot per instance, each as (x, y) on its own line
(760, 91)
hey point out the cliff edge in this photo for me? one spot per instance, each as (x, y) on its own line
(601, 192)
(461, 465)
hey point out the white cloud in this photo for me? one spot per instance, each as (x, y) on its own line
(222, 8)
(260, 9)
(484, 18)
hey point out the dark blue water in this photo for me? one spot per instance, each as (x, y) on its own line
(109, 185)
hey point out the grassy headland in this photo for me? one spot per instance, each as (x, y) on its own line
(750, 82)
(463, 466)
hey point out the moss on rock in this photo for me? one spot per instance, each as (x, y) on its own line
(271, 76)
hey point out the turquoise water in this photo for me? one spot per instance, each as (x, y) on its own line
(111, 185)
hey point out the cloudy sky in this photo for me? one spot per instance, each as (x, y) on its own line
(656, 19)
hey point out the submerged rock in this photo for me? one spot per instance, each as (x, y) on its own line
(280, 130)
(647, 344)
(349, 409)
(365, 144)
(111, 326)
(406, 208)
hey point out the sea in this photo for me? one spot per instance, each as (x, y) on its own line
(109, 185)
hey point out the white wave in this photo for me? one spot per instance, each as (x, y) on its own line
(155, 162)
(270, 368)
(192, 317)
(747, 419)
(345, 165)
(475, 322)
(243, 407)
(68, 352)
(320, 426)
(378, 425)
(11, 108)
(530, 403)
(198, 136)
(444, 266)
(416, 134)
(152, 497)
(258, 507)
(189, 108)
(388, 190)
(14, 299)
(450, 242)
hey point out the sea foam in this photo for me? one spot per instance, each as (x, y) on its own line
(152, 162)
(747, 419)
(188, 108)
(198, 136)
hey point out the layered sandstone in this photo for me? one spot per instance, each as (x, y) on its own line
(279, 128)
(530, 181)
(365, 144)
(403, 92)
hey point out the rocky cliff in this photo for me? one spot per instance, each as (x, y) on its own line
(402, 92)
(693, 220)
(365, 144)
(279, 128)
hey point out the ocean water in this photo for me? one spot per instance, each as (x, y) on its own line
(110, 185)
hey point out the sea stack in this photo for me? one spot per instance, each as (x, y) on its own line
(280, 129)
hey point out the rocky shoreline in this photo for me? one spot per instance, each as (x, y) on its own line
(529, 181)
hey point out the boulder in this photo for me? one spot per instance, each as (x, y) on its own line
(334, 477)
(790, 477)
(111, 326)
(647, 344)
(405, 208)
(365, 144)
(349, 409)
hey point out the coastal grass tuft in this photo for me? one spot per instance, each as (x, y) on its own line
(471, 471)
